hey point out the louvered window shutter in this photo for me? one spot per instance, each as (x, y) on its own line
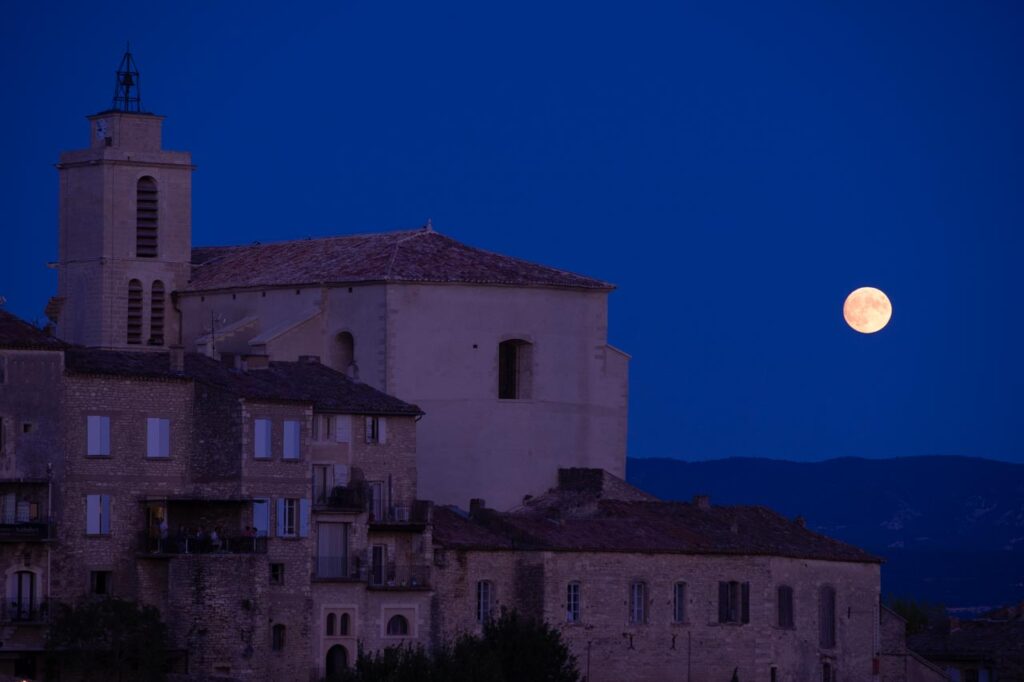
(723, 602)
(343, 428)
(382, 430)
(304, 518)
(280, 517)
(369, 429)
(745, 601)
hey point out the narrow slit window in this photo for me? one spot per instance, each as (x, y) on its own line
(156, 314)
(134, 312)
(827, 617)
(146, 215)
(679, 603)
(785, 606)
(572, 603)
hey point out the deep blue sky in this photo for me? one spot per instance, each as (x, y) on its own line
(735, 168)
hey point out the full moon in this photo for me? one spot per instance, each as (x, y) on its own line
(867, 310)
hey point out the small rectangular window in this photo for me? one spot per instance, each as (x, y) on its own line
(292, 440)
(262, 438)
(679, 603)
(99, 582)
(97, 514)
(572, 603)
(98, 436)
(484, 601)
(158, 437)
(638, 603)
(277, 574)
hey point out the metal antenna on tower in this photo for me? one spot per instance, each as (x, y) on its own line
(127, 96)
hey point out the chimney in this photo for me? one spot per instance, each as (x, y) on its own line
(801, 521)
(476, 505)
(702, 501)
(309, 359)
(256, 362)
(176, 354)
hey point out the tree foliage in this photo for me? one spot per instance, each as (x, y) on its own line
(511, 649)
(920, 615)
(108, 640)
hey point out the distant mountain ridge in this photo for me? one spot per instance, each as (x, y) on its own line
(951, 528)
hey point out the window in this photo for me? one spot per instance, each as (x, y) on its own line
(146, 218)
(322, 427)
(398, 626)
(277, 637)
(344, 625)
(3, 369)
(97, 514)
(99, 582)
(292, 440)
(332, 624)
(261, 437)
(332, 550)
(376, 430)
(572, 603)
(134, 317)
(98, 436)
(774, 676)
(733, 602)
(827, 617)
(638, 602)
(378, 561)
(288, 517)
(826, 673)
(679, 603)
(277, 574)
(515, 369)
(158, 437)
(484, 601)
(156, 314)
(785, 600)
(345, 355)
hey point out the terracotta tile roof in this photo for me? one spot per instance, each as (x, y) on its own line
(17, 333)
(303, 382)
(421, 255)
(615, 525)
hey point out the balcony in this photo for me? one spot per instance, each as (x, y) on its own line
(15, 613)
(388, 576)
(26, 531)
(406, 518)
(346, 498)
(165, 547)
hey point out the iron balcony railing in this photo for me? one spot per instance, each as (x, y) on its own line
(25, 612)
(379, 576)
(26, 531)
(195, 545)
(342, 497)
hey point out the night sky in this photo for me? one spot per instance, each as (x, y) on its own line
(735, 168)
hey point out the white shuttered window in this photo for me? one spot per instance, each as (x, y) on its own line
(97, 514)
(292, 440)
(261, 438)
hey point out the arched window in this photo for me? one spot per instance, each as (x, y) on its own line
(515, 369)
(827, 616)
(398, 626)
(345, 355)
(331, 622)
(156, 314)
(343, 625)
(134, 312)
(146, 218)
(277, 637)
(337, 660)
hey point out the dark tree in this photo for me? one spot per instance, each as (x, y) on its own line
(512, 649)
(920, 616)
(112, 640)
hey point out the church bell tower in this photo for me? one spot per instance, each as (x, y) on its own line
(125, 228)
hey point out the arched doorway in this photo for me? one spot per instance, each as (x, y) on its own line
(337, 660)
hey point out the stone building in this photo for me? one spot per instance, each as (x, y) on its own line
(215, 433)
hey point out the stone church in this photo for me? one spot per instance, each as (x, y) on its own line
(297, 448)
